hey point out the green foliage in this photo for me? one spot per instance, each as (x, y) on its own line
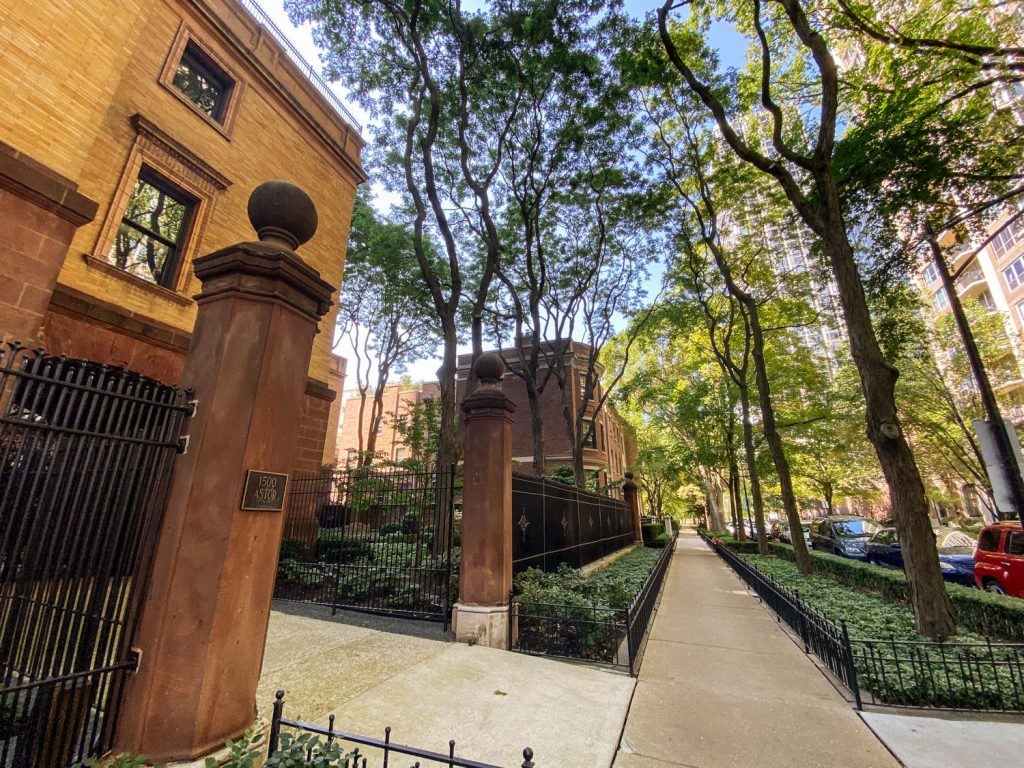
(333, 547)
(563, 474)
(416, 430)
(969, 680)
(308, 750)
(613, 586)
(123, 760)
(292, 549)
(976, 611)
(566, 614)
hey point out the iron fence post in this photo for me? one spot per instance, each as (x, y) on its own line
(851, 670)
(275, 724)
(630, 642)
(450, 511)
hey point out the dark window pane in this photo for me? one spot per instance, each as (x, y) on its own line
(147, 241)
(989, 540)
(203, 84)
(156, 210)
(1014, 543)
(140, 254)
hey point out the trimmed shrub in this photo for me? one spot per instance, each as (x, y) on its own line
(650, 531)
(292, 549)
(331, 550)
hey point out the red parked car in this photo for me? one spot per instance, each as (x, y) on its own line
(999, 559)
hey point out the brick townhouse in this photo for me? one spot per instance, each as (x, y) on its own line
(611, 451)
(132, 134)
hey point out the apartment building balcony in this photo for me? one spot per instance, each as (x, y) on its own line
(972, 283)
(1009, 386)
(958, 255)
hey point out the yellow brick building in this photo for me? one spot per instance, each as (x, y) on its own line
(191, 102)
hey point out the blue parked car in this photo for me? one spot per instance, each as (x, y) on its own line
(956, 554)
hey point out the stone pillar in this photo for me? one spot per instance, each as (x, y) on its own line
(631, 494)
(485, 574)
(204, 621)
(40, 211)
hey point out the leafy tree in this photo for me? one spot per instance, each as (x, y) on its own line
(387, 322)
(437, 82)
(417, 431)
(792, 58)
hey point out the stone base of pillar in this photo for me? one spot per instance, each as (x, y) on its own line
(481, 625)
(223, 756)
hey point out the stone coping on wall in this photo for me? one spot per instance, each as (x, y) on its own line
(31, 180)
(604, 562)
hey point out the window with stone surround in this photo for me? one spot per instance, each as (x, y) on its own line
(153, 229)
(155, 223)
(202, 82)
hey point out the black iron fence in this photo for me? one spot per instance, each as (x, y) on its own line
(554, 523)
(306, 745)
(377, 539)
(899, 673)
(615, 637)
(86, 452)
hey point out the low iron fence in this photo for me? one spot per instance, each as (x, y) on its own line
(899, 673)
(306, 745)
(615, 637)
(377, 539)
(555, 523)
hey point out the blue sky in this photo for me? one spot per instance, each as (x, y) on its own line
(731, 47)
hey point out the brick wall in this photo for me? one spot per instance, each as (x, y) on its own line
(88, 101)
(78, 70)
(39, 213)
(316, 410)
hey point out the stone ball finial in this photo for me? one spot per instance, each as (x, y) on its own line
(489, 368)
(282, 213)
(629, 475)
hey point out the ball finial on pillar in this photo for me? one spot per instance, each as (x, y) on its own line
(629, 475)
(282, 214)
(489, 368)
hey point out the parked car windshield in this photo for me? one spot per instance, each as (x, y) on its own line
(855, 527)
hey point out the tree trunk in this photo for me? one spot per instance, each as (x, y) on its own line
(713, 492)
(755, 481)
(536, 430)
(736, 503)
(1003, 444)
(933, 612)
(774, 440)
(447, 450)
(376, 417)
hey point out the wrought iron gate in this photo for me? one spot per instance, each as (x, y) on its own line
(371, 539)
(86, 452)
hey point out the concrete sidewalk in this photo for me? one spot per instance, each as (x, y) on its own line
(429, 689)
(722, 685)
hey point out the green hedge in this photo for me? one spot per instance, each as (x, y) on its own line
(962, 676)
(975, 610)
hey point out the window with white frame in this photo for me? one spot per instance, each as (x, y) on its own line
(941, 299)
(931, 273)
(1014, 274)
(1005, 239)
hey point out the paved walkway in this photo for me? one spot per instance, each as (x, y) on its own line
(493, 703)
(722, 685)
